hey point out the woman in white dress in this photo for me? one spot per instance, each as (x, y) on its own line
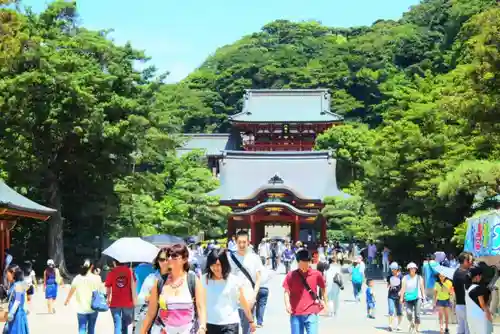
(479, 316)
(334, 283)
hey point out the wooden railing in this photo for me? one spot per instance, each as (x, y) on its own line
(278, 146)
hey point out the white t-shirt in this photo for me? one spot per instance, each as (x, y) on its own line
(223, 297)
(265, 277)
(252, 263)
(84, 287)
(264, 250)
(30, 279)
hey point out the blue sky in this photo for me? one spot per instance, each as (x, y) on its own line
(179, 35)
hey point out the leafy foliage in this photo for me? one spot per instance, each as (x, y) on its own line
(88, 134)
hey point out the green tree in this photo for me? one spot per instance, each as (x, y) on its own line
(75, 108)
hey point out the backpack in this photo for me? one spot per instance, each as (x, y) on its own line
(357, 276)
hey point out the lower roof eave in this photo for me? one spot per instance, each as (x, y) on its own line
(276, 204)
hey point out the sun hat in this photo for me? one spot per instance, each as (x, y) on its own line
(50, 262)
(394, 266)
(411, 265)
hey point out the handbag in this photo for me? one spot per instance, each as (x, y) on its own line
(99, 303)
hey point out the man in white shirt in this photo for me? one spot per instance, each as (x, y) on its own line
(264, 251)
(250, 272)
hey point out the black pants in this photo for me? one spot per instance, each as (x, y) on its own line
(287, 266)
(223, 329)
(274, 262)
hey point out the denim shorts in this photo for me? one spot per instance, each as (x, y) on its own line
(443, 303)
(395, 307)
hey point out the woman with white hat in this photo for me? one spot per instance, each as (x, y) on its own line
(394, 288)
(412, 294)
(51, 281)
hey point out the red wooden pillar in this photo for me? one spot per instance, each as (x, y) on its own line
(7, 234)
(296, 231)
(323, 230)
(253, 231)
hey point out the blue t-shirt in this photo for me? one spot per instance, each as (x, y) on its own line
(141, 272)
(429, 272)
(369, 296)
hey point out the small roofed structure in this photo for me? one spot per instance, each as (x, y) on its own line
(13, 206)
(211, 144)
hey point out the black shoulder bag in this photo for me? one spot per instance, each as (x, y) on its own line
(308, 288)
(243, 270)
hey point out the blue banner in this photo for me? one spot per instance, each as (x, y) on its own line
(483, 234)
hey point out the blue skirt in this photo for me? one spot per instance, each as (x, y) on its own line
(51, 291)
(19, 325)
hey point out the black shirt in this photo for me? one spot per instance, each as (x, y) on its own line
(461, 282)
(480, 290)
(394, 290)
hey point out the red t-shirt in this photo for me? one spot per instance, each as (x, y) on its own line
(301, 301)
(119, 280)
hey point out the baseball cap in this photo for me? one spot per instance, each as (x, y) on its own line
(411, 265)
(394, 266)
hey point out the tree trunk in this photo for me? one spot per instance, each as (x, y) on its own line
(56, 243)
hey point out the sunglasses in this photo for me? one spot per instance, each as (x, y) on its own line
(172, 257)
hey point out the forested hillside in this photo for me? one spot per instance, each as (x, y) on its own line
(85, 132)
(422, 102)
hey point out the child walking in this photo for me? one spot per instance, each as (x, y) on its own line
(443, 291)
(370, 299)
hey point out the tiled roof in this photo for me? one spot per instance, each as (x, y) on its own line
(309, 175)
(11, 199)
(286, 106)
(211, 143)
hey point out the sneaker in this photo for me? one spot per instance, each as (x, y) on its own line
(411, 328)
(389, 329)
(399, 329)
(447, 331)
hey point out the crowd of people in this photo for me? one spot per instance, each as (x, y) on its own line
(176, 293)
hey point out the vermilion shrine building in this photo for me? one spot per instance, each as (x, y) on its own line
(268, 171)
(12, 207)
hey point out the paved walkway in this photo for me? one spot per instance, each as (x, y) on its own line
(351, 320)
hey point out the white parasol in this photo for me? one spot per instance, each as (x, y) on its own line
(126, 250)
